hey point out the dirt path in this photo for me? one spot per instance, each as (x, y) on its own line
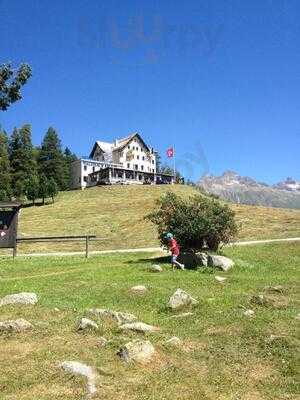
(147, 249)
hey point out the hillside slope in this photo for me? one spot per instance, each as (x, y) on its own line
(117, 214)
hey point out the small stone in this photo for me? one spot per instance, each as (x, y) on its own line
(249, 313)
(78, 368)
(56, 309)
(221, 262)
(259, 299)
(86, 323)
(18, 325)
(174, 341)
(139, 327)
(181, 299)
(118, 316)
(102, 341)
(137, 351)
(220, 279)
(139, 289)
(19, 298)
(156, 268)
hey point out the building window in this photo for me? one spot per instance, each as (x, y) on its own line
(85, 178)
(136, 167)
(85, 167)
(128, 165)
(153, 170)
(138, 157)
(129, 147)
(142, 167)
(152, 161)
(93, 169)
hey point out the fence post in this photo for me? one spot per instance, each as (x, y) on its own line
(87, 239)
(15, 249)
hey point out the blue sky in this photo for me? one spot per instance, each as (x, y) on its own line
(218, 79)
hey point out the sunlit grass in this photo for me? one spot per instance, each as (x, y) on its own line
(225, 354)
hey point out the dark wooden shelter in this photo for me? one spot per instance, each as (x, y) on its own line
(9, 212)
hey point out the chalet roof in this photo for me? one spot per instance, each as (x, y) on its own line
(123, 142)
(118, 145)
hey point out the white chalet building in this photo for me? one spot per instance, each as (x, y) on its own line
(125, 161)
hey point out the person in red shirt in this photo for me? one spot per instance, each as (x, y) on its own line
(175, 251)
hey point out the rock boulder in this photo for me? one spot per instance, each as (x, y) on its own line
(140, 351)
(220, 262)
(181, 299)
(19, 298)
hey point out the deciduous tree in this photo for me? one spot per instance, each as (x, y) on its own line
(11, 82)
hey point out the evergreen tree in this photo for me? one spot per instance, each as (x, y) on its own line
(51, 159)
(5, 178)
(22, 162)
(32, 188)
(52, 190)
(69, 157)
(43, 188)
(158, 161)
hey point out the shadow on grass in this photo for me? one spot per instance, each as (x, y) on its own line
(155, 260)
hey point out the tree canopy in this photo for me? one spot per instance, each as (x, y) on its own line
(11, 82)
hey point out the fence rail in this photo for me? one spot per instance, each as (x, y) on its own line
(47, 239)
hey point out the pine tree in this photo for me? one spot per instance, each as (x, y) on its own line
(32, 188)
(43, 188)
(52, 190)
(51, 159)
(5, 178)
(69, 157)
(22, 161)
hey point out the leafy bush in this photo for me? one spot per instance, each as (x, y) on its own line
(196, 222)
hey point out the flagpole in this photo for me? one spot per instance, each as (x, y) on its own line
(174, 162)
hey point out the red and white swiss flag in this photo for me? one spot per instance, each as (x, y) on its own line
(170, 152)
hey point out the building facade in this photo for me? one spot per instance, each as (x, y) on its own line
(125, 161)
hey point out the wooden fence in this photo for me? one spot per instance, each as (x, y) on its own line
(52, 239)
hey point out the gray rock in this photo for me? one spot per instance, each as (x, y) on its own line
(181, 299)
(78, 368)
(193, 260)
(139, 351)
(86, 323)
(102, 341)
(221, 262)
(18, 325)
(220, 279)
(118, 316)
(155, 268)
(139, 289)
(139, 327)
(249, 313)
(19, 298)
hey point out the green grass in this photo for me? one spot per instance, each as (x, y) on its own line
(225, 354)
(117, 214)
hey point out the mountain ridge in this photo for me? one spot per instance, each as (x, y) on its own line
(245, 190)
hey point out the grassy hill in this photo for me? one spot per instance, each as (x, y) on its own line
(117, 214)
(224, 354)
